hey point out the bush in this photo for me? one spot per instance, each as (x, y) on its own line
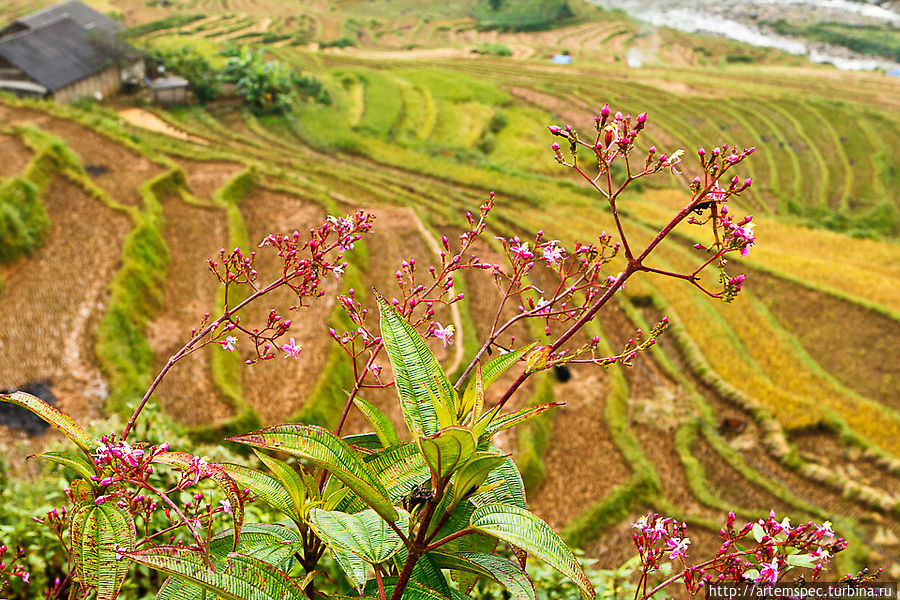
(194, 67)
(519, 15)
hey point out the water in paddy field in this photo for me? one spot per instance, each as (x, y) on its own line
(741, 20)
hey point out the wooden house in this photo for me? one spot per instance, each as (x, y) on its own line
(66, 51)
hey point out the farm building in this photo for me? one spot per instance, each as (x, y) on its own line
(66, 51)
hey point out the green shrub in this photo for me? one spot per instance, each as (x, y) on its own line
(23, 219)
(519, 15)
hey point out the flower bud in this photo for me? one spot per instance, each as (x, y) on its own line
(642, 118)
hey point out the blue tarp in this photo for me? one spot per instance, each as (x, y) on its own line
(561, 59)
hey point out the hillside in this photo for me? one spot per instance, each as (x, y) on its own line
(420, 129)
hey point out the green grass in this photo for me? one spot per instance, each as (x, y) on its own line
(170, 22)
(135, 296)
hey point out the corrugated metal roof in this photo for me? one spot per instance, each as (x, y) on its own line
(56, 54)
(82, 14)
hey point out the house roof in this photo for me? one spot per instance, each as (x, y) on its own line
(56, 54)
(88, 18)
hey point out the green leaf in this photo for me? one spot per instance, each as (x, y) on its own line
(503, 571)
(413, 591)
(265, 487)
(511, 489)
(98, 532)
(758, 532)
(382, 425)
(802, 560)
(288, 477)
(473, 397)
(443, 408)
(63, 422)
(77, 462)
(364, 441)
(474, 472)
(415, 369)
(479, 543)
(186, 461)
(269, 542)
(491, 372)
(245, 577)
(324, 448)
(354, 567)
(448, 449)
(518, 417)
(399, 468)
(523, 529)
(364, 534)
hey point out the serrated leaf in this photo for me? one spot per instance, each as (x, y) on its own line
(97, 533)
(264, 487)
(288, 477)
(474, 472)
(399, 468)
(268, 542)
(77, 462)
(448, 449)
(510, 488)
(82, 491)
(473, 398)
(365, 442)
(245, 577)
(479, 543)
(505, 572)
(364, 534)
(445, 413)
(523, 529)
(536, 360)
(59, 420)
(518, 417)
(354, 567)
(384, 429)
(324, 448)
(186, 461)
(415, 368)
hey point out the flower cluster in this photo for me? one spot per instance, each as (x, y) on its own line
(9, 568)
(304, 260)
(657, 538)
(120, 463)
(759, 553)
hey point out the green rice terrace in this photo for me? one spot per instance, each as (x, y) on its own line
(787, 398)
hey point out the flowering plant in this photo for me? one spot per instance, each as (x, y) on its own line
(395, 510)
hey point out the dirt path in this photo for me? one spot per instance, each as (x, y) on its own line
(149, 121)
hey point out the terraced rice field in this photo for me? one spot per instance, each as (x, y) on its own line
(803, 359)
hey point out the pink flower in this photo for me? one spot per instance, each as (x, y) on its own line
(553, 254)
(677, 547)
(824, 530)
(443, 333)
(230, 343)
(226, 506)
(768, 572)
(520, 249)
(292, 350)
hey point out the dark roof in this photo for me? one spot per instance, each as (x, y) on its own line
(57, 54)
(84, 15)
